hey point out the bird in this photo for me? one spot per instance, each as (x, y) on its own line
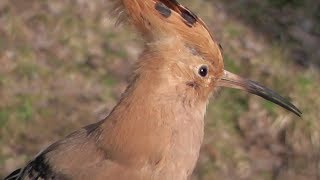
(156, 129)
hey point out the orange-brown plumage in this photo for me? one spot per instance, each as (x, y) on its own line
(154, 26)
(156, 129)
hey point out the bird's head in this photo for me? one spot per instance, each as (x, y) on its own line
(180, 44)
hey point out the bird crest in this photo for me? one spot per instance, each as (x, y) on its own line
(160, 19)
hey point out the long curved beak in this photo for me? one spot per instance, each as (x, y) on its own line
(234, 81)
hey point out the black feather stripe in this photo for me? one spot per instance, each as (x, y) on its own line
(39, 168)
(14, 175)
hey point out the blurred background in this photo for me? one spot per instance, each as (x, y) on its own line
(64, 64)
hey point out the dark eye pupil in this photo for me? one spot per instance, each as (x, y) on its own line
(203, 71)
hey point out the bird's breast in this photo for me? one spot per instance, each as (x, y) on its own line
(184, 147)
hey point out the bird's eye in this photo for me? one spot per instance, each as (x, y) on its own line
(203, 71)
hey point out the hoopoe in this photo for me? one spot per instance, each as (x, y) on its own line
(156, 129)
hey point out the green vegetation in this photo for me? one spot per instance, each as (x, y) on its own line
(4, 116)
(282, 3)
(24, 110)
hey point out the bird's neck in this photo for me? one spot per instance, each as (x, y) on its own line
(154, 125)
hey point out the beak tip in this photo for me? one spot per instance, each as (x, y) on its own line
(299, 113)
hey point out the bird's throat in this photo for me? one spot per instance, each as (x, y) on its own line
(152, 126)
